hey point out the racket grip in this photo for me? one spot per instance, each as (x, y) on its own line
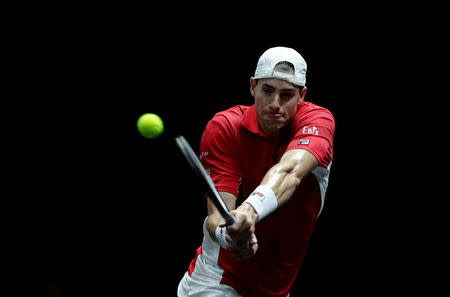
(230, 220)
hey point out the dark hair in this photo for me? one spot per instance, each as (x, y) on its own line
(289, 64)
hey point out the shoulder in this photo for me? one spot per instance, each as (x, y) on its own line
(308, 109)
(231, 114)
(226, 123)
(231, 117)
(222, 131)
(310, 115)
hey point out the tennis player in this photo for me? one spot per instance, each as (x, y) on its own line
(270, 163)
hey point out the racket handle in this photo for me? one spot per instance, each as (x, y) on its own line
(230, 220)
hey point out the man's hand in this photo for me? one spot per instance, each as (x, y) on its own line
(241, 238)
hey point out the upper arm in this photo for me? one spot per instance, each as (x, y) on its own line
(219, 155)
(314, 133)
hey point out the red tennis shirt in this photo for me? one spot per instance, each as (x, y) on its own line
(237, 155)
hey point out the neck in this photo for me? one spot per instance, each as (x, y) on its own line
(273, 134)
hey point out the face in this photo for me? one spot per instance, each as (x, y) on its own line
(276, 103)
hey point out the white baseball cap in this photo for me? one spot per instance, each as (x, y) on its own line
(275, 55)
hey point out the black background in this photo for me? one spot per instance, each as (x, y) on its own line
(104, 211)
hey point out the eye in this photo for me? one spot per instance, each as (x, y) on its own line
(287, 95)
(267, 90)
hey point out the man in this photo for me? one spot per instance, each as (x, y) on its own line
(270, 163)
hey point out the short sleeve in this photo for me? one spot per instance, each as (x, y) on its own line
(219, 154)
(314, 132)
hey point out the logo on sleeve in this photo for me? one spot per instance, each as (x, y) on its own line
(310, 131)
(304, 141)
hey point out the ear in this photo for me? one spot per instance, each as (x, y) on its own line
(302, 95)
(252, 86)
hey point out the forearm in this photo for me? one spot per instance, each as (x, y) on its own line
(214, 217)
(214, 220)
(286, 176)
(281, 181)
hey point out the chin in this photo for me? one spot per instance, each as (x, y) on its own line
(274, 127)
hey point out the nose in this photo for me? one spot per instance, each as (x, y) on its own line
(275, 105)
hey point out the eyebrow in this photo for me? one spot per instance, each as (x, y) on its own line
(283, 89)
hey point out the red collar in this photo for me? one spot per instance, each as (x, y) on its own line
(249, 120)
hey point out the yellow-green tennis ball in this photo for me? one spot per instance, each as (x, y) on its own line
(150, 125)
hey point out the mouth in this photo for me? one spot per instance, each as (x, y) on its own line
(274, 115)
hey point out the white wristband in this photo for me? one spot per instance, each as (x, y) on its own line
(221, 236)
(263, 200)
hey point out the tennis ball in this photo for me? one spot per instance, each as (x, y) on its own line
(150, 125)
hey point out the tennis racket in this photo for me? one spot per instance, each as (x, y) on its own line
(204, 179)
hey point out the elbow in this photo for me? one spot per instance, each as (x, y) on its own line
(292, 175)
(296, 180)
(293, 178)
